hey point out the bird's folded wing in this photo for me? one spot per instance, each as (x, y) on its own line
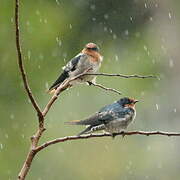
(94, 120)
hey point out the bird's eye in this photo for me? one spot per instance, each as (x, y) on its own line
(93, 49)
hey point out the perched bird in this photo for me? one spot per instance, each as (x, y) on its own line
(88, 60)
(113, 118)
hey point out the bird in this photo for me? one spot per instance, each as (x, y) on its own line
(89, 59)
(113, 118)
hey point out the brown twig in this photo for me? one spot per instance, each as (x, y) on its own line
(105, 88)
(69, 138)
(36, 137)
(122, 75)
(66, 84)
(20, 62)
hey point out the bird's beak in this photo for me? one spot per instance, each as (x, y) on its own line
(135, 101)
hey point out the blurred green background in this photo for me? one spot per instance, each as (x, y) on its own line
(135, 36)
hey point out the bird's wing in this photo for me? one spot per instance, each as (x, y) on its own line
(94, 120)
(70, 66)
(110, 107)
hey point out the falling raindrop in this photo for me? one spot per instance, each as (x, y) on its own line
(171, 63)
(116, 57)
(131, 18)
(46, 85)
(1, 146)
(142, 93)
(151, 19)
(114, 36)
(70, 26)
(145, 47)
(156, 5)
(170, 16)
(106, 16)
(37, 12)
(93, 7)
(145, 5)
(6, 136)
(175, 110)
(12, 116)
(45, 21)
(126, 32)
(93, 19)
(105, 29)
(157, 107)
(57, 1)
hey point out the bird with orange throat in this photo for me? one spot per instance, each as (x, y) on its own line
(89, 59)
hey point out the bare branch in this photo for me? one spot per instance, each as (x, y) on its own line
(36, 137)
(105, 88)
(70, 138)
(122, 75)
(20, 62)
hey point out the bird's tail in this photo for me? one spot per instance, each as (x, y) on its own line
(75, 122)
(86, 131)
(91, 129)
(60, 79)
(78, 122)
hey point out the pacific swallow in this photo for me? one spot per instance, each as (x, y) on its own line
(113, 118)
(89, 59)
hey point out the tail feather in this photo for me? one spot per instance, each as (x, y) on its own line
(86, 131)
(74, 122)
(60, 79)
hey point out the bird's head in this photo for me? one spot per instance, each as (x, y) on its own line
(91, 47)
(127, 102)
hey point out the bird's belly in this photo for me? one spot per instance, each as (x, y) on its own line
(117, 126)
(94, 68)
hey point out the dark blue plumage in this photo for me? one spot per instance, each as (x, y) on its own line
(112, 118)
(70, 67)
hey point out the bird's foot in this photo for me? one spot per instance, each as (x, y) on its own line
(114, 135)
(89, 83)
(123, 134)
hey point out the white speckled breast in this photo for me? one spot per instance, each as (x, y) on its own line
(121, 124)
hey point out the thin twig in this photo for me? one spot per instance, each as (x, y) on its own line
(66, 84)
(122, 75)
(105, 88)
(20, 62)
(70, 138)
